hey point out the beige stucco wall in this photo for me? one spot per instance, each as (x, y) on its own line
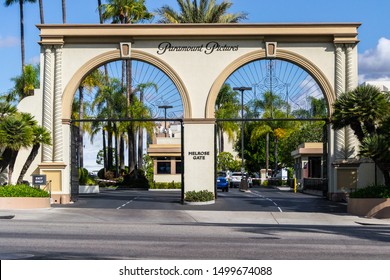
(197, 75)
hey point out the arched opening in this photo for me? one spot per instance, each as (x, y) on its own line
(266, 108)
(135, 112)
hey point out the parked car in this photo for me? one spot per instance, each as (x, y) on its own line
(235, 180)
(222, 183)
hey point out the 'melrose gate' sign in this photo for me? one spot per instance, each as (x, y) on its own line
(199, 155)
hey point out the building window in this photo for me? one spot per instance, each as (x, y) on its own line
(163, 165)
(178, 165)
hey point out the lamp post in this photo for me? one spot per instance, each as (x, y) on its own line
(165, 107)
(243, 180)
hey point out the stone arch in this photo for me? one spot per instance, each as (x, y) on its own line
(297, 59)
(109, 56)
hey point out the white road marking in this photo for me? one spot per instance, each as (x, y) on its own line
(259, 195)
(128, 202)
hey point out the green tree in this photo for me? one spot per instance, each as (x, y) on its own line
(21, 3)
(24, 84)
(141, 90)
(202, 11)
(94, 80)
(15, 133)
(224, 161)
(125, 11)
(40, 136)
(227, 106)
(366, 110)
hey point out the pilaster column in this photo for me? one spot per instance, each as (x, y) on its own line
(350, 137)
(339, 147)
(57, 137)
(47, 101)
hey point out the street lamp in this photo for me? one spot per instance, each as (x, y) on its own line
(243, 181)
(165, 107)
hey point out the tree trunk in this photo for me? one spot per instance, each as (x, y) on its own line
(104, 151)
(116, 151)
(140, 147)
(22, 32)
(63, 11)
(81, 129)
(11, 166)
(109, 147)
(131, 145)
(4, 159)
(100, 11)
(222, 141)
(41, 12)
(122, 152)
(29, 160)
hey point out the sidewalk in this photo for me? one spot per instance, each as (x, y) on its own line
(189, 216)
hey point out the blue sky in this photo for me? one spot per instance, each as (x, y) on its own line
(374, 34)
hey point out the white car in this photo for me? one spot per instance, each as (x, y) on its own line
(235, 179)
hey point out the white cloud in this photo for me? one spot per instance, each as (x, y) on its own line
(34, 60)
(374, 64)
(8, 42)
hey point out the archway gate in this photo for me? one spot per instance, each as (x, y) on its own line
(198, 58)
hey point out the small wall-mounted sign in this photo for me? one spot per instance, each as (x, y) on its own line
(199, 155)
(39, 180)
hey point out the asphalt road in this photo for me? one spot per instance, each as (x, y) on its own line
(262, 224)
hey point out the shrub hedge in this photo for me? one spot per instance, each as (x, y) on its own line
(379, 191)
(22, 191)
(200, 196)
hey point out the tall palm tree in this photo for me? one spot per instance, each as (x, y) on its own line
(127, 12)
(227, 106)
(94, 79)
(40, 136)
(21, 3)
(141, 89)
(199, 11)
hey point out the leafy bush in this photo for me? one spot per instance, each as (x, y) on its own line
(379, 191)
(83, 176)
(22, 191)
(165, 186)
(200, 196)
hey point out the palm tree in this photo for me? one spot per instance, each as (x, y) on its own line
(202, 11)
(366, 110)
(21, 3)
(127, 12)
(40, 136)
(94, 79)
(63, 11)
(141, 89)
(15, 133)
(24, 84)
(110, 103)
(227, 107)
(6, 110)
